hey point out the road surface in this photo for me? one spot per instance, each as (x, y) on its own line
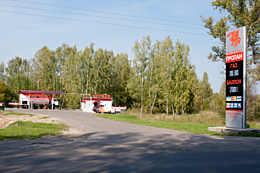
(111, 146)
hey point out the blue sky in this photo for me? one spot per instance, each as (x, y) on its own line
(22, 35)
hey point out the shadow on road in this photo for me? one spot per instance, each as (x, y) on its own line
(131, 152)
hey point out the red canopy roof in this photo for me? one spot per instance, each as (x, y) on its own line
(40, 92)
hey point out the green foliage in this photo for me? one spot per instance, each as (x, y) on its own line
(253, 104)
(120, 66)
(75, 73)
(5, 92)
(2, 71)
(142, 53)
(162, 77)
(204, 93)
(28, 130)
(16, 75)
(220, 102)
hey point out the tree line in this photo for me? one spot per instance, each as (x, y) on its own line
(160, 78)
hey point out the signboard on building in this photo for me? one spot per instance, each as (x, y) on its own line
(236, 78)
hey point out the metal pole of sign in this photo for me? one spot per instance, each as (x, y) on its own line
(29, 106)
(52, 101)
(245, 78)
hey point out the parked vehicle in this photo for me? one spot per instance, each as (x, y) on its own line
(98, 108)
(114, 110)
(118, 110)
(37, 101)
(95, 108)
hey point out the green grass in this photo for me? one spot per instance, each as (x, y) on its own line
(28, 130)
(186, 127)
(17, 113)
(43, 117)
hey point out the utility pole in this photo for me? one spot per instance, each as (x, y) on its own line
(28, 73)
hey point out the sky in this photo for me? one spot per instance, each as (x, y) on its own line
(113, 25)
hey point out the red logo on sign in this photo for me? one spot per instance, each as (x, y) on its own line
(234, 38)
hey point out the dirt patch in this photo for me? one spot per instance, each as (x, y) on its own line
(70, 133)
(6, 120)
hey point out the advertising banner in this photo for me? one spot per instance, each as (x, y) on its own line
(236, 78)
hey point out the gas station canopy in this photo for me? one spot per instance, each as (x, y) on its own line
(40, 92)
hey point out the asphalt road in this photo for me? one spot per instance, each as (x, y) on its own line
(111, 146)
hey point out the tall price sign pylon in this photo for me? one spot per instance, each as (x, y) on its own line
(236, 78)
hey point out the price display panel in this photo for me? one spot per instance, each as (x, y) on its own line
(234, 85)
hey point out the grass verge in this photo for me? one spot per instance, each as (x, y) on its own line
(187, 127)
(28, 130)
(16, 113)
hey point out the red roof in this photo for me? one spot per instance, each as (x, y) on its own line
(40, 92)
(97, 99)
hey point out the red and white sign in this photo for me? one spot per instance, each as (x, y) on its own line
(234, 57)
(236, 77)
(119, 108)
(14, 104)
(1, 104)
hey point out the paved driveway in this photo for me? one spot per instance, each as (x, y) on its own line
(111, 146)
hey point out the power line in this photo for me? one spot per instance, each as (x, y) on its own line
(102, 23)
(98, 16)
(104, 12)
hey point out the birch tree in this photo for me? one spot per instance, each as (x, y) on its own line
(120, 70)
(167, 54)
(142, 52)
(72, 79)
(155, 74)
(44, 68)
(183, 77)
(87, 66)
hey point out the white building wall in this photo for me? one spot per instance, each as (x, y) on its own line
(88, 105)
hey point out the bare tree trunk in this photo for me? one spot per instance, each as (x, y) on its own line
(150, 85)
(53, 84)
(62, 102)
(151, 110)
(87, 87)
(142, 95)
(167, 111)
(172, 104)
